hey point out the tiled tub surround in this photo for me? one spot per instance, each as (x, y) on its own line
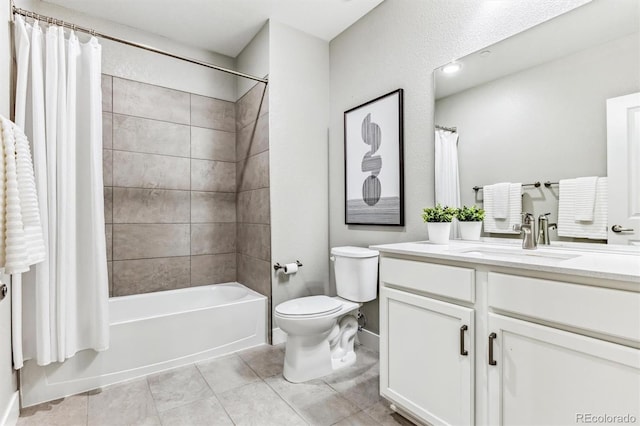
(170, 181)
(252, 179)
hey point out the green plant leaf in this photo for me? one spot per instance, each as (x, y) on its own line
(470, 214)
(438, 213)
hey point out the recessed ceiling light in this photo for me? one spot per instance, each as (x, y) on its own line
(452, 67)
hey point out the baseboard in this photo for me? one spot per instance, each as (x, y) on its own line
(369, 340)
(12, 411)
(278, 336)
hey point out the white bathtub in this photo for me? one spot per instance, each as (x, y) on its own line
(154, 332)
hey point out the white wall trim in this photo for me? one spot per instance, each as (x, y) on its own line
(369, 340)
(278, 336)
(11, 412)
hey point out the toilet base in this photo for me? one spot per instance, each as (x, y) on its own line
(309, 357)
(346, 361)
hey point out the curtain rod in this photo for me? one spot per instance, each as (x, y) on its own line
(448, 129)
(74, 27)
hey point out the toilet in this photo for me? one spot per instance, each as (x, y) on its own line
(321, 330)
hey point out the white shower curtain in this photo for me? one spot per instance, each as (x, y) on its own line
(447, 178)
(446, 165)
(59, 105)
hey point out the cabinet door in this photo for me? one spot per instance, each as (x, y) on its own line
(546, 376)
(422, 365)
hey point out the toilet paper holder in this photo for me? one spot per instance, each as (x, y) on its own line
(279, 266)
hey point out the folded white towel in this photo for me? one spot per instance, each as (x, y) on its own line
(500, 200)
(568, 226)
(585, 193)
(21, 238)
(502, 226)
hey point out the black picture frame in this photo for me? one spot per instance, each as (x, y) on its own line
(374, 162)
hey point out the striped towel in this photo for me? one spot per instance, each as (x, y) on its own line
(21, 238)
(585, 193)
(501, 192)
(502, 226)
(568, 226)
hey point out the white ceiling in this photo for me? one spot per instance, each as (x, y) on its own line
(225, 26)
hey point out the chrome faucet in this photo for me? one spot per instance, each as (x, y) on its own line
(528, 230)
(543, 229)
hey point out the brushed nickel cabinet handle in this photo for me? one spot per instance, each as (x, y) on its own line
(492, 337)
(463, 351)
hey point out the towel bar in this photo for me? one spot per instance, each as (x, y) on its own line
(535, 184)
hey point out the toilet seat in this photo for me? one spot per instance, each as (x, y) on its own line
(307, 307)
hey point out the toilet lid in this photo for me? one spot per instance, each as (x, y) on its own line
(311, 305)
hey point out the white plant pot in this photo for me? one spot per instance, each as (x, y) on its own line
(439, 232)
(470, 230)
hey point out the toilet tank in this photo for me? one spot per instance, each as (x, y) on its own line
(356, 273)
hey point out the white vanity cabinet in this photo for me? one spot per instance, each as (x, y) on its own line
(466, 343)
(541, 374)
(546, 376)
(427, 355)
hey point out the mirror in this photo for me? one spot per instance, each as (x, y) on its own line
(532, 108)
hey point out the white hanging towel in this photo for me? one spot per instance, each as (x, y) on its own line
(568, 226)
(21, 239)
(500, 200)
(498, 225)
(585, 193)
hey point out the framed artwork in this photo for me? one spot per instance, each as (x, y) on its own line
(373, 163)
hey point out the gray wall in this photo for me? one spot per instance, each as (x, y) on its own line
(545, 123)
(170, 187)
(396, 45)
(254, 60)
(132, 63)
(8, 381)
(298, 104)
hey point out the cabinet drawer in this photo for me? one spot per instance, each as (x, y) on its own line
(448, 281)
(600, 310)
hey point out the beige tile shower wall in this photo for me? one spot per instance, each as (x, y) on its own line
(253, 233)
(170, 187)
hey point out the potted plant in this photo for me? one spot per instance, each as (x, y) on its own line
(470, 221)
(438, 221)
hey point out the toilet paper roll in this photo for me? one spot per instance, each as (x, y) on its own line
(290, 268)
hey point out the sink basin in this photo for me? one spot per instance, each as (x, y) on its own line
(517, 253)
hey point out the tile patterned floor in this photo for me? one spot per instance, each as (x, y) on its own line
(244, 388)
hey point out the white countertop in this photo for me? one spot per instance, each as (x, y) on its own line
(618, 263)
